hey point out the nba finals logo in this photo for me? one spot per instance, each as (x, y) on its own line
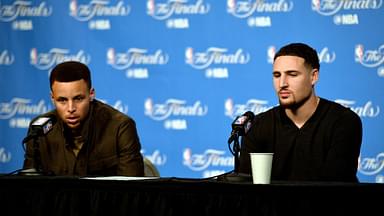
(168, 10)
(97, 8)
(46, 61)
(209, 158)
(136, 61)
(258, 12)
(174, 112)
(372, 166)
(214, 60)
(337, 8)
(97, 11)
(370, 58)
(24, 10)
(254, 105)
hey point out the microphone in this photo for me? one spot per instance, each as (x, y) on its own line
(241, 125)
(40, 126)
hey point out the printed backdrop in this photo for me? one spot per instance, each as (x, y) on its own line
(184, 69)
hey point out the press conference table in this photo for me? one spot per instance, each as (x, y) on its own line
(38, 195)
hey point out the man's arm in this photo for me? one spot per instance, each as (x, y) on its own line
(342, 159)
(130, 159)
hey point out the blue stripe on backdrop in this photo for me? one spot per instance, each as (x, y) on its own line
(210, 58)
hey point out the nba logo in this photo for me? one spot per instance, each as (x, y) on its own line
(359, 53)
(111, 56)
(73, 8)
(151, 7)
(189, 55)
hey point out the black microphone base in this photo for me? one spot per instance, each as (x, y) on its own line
(235, 177)
(31, 172)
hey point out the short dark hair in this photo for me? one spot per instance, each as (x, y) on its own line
(302, 50)
(70, 71)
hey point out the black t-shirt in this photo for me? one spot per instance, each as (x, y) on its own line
(325, 148)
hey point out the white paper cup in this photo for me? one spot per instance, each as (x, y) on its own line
(261, 164)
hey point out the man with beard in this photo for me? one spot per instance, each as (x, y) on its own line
(312, 138)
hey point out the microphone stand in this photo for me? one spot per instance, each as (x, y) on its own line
(236, 153)
(235, 176)
(36, 170)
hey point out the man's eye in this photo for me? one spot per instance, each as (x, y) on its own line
(293, 73)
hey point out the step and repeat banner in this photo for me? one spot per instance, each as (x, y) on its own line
(184, 69)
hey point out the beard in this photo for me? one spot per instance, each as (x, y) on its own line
(292, 103)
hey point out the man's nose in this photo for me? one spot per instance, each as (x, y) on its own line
(283, 81)
(71, 107)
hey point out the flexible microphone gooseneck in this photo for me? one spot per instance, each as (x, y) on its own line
(240, 127)
(39, 127)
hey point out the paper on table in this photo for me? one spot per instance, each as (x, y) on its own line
(123, 178)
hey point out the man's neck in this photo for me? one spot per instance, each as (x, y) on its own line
(76, 132)
(301, 114)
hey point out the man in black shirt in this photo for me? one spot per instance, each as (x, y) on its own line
(313, 139)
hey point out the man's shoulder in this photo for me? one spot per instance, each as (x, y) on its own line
(338, 109)
(334, 105)
(269, 112)
(105, 111)
(267, 115)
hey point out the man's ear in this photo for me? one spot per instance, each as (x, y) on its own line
(51, 94)
(92, 94)
(315, 76)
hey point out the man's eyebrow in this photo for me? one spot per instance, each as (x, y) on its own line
(291, 71)
(286, 71)
(61, 98)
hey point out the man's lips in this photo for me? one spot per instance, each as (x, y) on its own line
(72, 120)
(284, 93)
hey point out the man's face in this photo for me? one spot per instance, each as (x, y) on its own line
(72, 101)
(293, 80)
